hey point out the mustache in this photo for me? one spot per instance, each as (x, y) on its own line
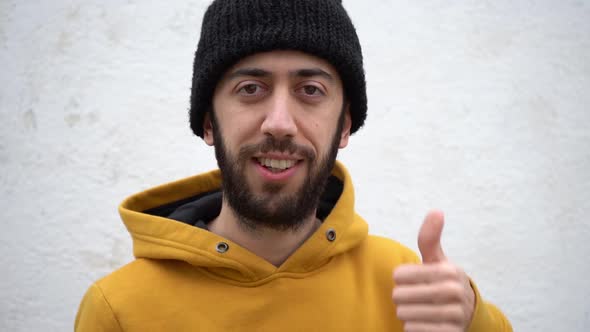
(272, 144)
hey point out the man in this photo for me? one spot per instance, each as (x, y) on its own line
(271, 242)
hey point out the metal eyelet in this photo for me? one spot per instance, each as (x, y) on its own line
(331, 235)
(222, 247)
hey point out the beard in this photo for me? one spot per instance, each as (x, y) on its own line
(274, 210)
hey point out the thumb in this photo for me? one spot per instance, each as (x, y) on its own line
(429, 238)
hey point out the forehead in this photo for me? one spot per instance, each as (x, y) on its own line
(284, 61)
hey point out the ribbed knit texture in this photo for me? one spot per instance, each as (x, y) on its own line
(235, 29)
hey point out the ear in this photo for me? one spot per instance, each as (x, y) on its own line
(208, 129)
(345, 128)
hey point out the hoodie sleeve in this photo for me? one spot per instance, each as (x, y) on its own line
(486, 316)
(95, 313)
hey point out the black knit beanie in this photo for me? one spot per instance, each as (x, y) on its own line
(235, 29)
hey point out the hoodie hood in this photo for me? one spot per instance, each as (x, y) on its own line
(156, 236)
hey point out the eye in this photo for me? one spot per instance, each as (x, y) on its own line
(250, 89)
(312, 90)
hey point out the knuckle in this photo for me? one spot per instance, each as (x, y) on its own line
(446, 271)
(449, 291)
(453, 272)
(455, 290)
(456, 313)
(464, 314)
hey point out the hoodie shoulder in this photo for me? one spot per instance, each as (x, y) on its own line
(137, 276)
(391, 250)
(95, 313)
(133, 294)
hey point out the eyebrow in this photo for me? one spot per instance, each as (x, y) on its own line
(253, 72)
(257, 72)
(311, 73)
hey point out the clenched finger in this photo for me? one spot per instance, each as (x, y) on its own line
(419, 274)
(431, 327)
(450, 313)
(445, 292)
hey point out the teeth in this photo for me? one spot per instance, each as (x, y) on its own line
(276, 163)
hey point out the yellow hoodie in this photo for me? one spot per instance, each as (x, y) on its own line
(182, 279)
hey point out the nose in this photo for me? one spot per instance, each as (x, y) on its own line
(279, 121)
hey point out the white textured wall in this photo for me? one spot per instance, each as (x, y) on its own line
(480, 108)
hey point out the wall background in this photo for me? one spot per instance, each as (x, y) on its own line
(480, 108)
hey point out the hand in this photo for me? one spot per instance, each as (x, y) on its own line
(436, 295)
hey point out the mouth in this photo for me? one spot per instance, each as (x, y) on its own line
(276, 165)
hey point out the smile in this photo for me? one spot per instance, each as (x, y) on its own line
(276, 165)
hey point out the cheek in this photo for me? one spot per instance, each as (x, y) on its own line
(240, 131)
(234, 123)
(318, 134)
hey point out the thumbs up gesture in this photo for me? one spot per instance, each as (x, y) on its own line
(436, 295)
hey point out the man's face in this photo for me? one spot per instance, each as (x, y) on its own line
(278, 122)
